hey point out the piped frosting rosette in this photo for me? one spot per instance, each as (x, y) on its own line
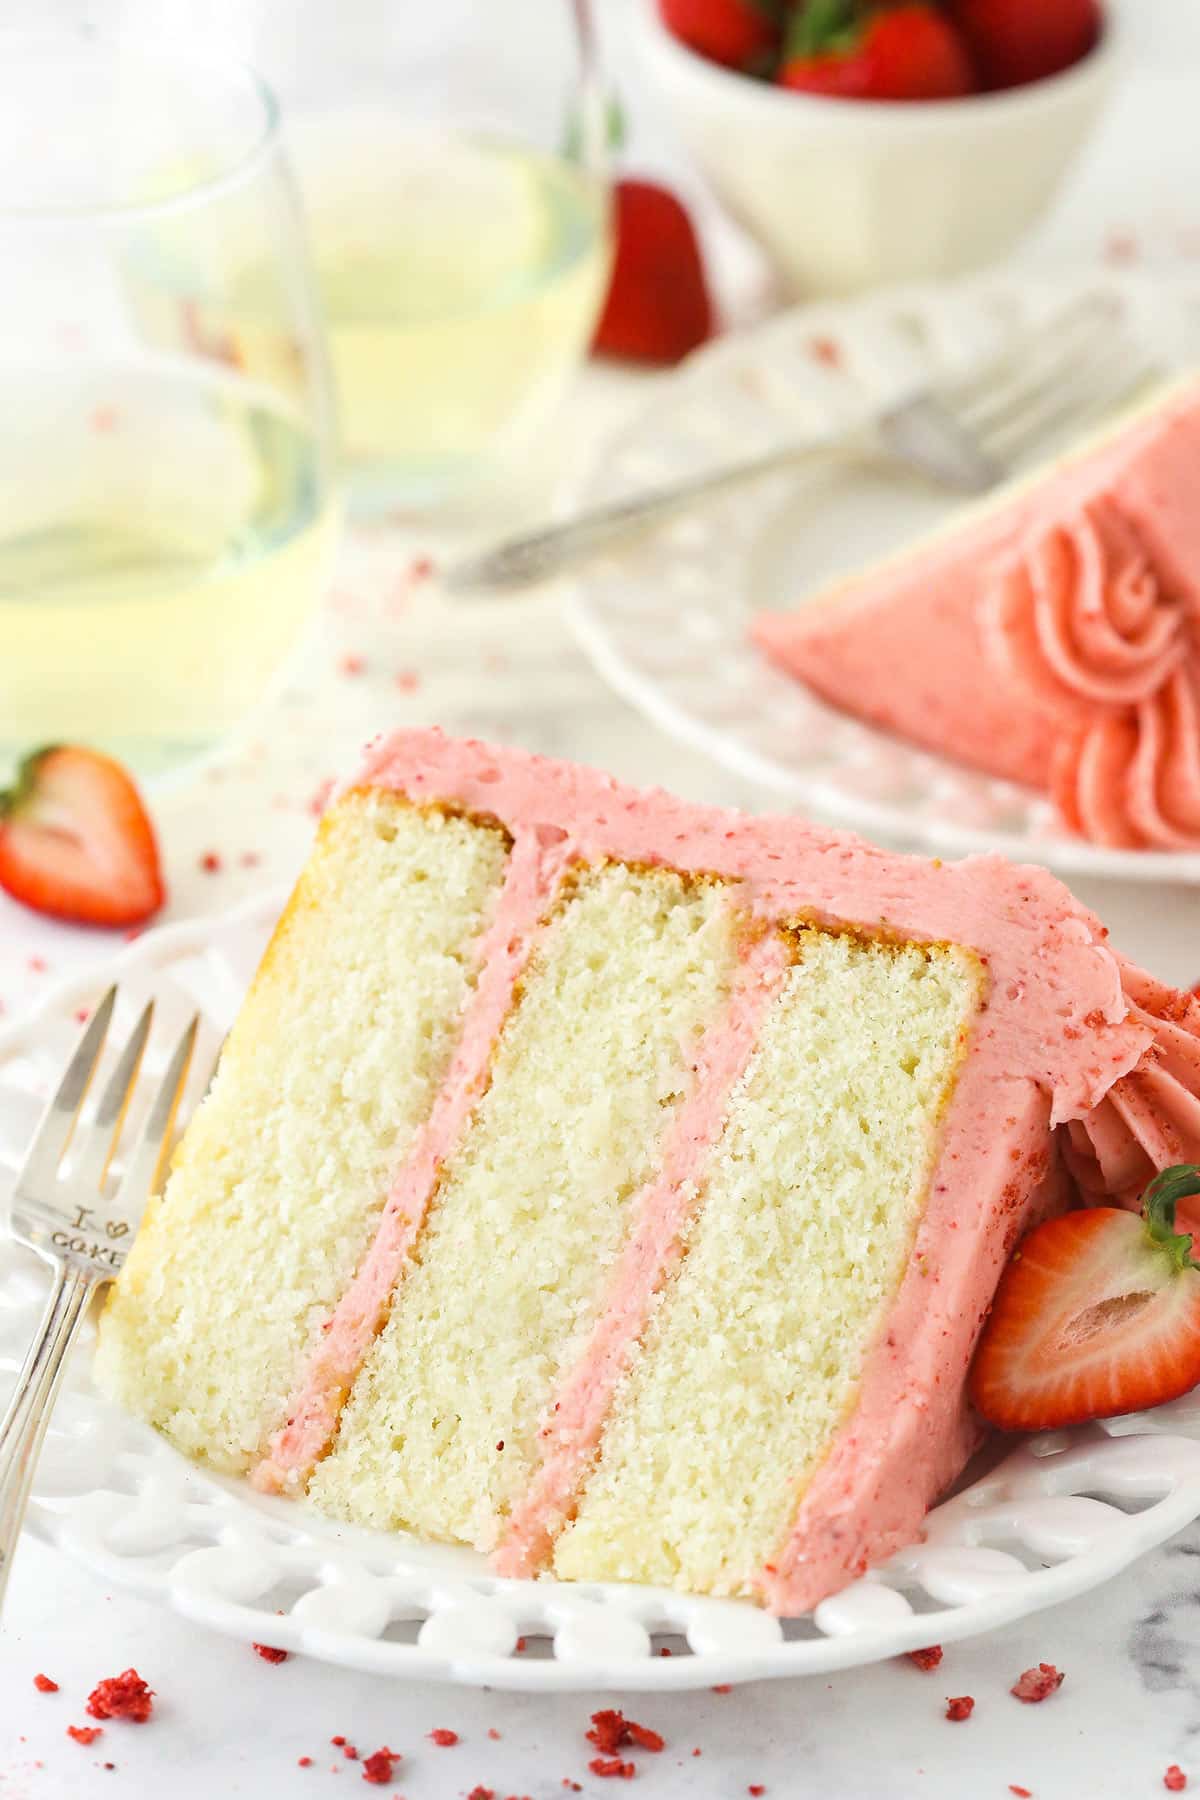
(1149, 1118)
(1090, 632)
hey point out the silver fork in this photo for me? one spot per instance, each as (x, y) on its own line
(50, 1217)
(967, 433)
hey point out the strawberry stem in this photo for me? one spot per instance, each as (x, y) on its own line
(1158, 1210)
(822, 28)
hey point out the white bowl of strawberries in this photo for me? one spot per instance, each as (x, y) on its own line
(866, 141)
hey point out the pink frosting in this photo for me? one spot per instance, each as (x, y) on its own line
(1084, 629)
(652, 1252)
(1053, 640)
(1066, 1025)
(535, 868)
(1150, 1118)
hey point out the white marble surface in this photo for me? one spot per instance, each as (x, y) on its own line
(227, 1723)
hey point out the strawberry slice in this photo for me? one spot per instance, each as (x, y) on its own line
(1097, 1313)
(658, 306)
(75, 840)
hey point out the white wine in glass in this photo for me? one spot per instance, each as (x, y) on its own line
(166, 509)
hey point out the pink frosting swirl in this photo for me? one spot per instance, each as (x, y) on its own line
(1149, 1118)
(1083, 626)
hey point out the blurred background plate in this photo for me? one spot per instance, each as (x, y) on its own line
(666, 619)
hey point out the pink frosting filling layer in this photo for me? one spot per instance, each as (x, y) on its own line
(535, 868)
(1054, 640)
(1065, 1025)
(651, 1253)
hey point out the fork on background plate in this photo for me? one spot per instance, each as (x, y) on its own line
(69, 1221)
(967, 432)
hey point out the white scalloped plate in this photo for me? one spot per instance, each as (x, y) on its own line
(665, 620)
(1058, 1516)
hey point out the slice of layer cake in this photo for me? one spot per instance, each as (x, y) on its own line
(1052, 637)
(619, 1186)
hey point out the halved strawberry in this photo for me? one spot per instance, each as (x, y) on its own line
(658, 306)
(1097, 1313)
(75, 840)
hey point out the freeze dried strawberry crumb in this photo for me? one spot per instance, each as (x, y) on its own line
(482, 1793)
(442, 1738)
(85, 1734)
(44, 1685)
(1037, 1684)
(1020, 1792)
(612, 1766)
(725, 1688)
(608, 1731)
(377, 1767)
(927, 1659)
(350, 1752)
(572, 1787)
(210, 862)
(961, 1708)
(756, 1787)
(644, 1738)
(520, 1646)
(1175, 1780)
(124, 1696)
(493, 1734)
(350, 664)
(269, 1653)
(339, 1741)
(304, 1762)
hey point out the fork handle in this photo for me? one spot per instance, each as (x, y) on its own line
(523, 560)
(25, 1421)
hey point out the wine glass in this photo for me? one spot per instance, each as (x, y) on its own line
(166, 506)
(451, 160)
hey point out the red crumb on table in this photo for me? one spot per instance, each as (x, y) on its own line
(572, 1787)
(756, 1787)
(269, 1653)
(350, 1752)
(960, 1708)
(408, 681)
(339, 1740)
(611, 1731)
(210, 862)
(85, 1734)
(351, 663)
(1020, 1792)
(1175, 1780)
(377, 1768)
(104, 418)
(493, 1734)
(442, 1738)
(1037, 1684)
(420, 568)
(37, 965)
(44, 1685)
(520, 1645)
(612, 1766)
(304, 1762)
(726, 1687)
(249, 859)
(482, 1793)
(927, 1659)
(827, 350)
(124, 1696)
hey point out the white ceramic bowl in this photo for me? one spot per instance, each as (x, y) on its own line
(847, 194)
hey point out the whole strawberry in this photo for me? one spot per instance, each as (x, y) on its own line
(1013, 42)
(76, 842)
(849, 51)
(658, 306)
(1098, 1313)
(742, 34)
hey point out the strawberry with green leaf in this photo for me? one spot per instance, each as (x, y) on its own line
(76, 841)
(1098, 1313)
(846, 50)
